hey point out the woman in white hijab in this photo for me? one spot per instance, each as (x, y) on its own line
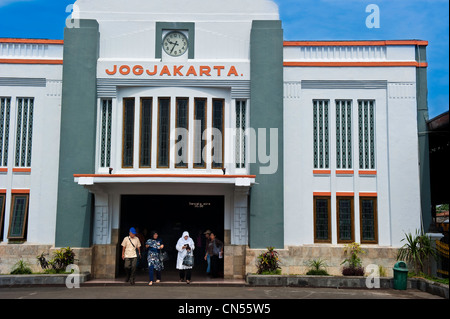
(184, 246)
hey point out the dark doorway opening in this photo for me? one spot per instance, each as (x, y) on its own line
(170, 216)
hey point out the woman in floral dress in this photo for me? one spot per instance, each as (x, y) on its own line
(154, 245)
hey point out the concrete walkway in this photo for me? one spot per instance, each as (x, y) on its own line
(189, 292)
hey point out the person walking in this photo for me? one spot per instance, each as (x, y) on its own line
(131, 250)
(185, 246)
(207, 257)
(155, 264)
(215, 252)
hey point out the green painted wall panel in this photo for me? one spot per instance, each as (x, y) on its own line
(424, 146)
(266, 222)
(78, 134)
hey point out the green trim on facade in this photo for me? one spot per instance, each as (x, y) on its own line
(266, 222)
(78, 134)
(424, 146)
(180, 26)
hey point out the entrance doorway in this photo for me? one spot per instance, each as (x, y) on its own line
(170, 216)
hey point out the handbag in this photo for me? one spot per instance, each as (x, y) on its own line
(137, 250)
(188, 260)
(163, 256)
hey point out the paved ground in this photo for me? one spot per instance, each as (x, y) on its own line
(185, 292)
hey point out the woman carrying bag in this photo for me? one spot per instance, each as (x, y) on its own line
(185, 247)
(155, 263)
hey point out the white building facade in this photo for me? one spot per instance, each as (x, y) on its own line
(192, 116)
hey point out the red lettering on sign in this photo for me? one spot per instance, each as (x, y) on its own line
(219, 69)
(165, 70)
(205, 70)
(114, 71)
(138, 70)
(177, 70)
(124, 70)
(155, 70)
(191, 71)
(232, 71)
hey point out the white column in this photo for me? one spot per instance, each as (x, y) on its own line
(239, 230)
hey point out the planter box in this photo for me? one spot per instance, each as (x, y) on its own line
(40, 280)
(343, 282)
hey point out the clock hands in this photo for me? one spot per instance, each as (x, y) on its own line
(174, 45)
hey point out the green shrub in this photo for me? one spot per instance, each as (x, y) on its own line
(21, 268)
(417, 251)
(317, 267)
(61, 259)
(269, 262)
(317, 272)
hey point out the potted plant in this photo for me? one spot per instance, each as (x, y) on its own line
(354, 264)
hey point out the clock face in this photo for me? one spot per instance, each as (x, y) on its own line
(175, 44)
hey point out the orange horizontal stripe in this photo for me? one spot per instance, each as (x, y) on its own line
(2, 191)
(345, 194)
(21, 170)
(30, 61)
(165, 175)
(368, 194)
(31, 41)
(20, 191)
(3, 170)
(367, 172)
(321, 171)
(353, 43)
(356, 64)
(344, 172)
(322, 193)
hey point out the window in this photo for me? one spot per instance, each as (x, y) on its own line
(2, 213)
(345, 219)
(106, 118)
(182, 127)
(241, 125)
(366, 118)
(19, 214)
(128, 133)
(24, 132)
(200, 127)
(368, 211)
(321, 135)
(344, 134)
(163, 132)
(322, 220)
(145, 156)
(5, 104)
(218, 131)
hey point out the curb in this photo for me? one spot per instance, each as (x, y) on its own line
(344, 282)
(39, 280)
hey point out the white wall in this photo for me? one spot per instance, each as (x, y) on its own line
(396, 182)
(42, 181)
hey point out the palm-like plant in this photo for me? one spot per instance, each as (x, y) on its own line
(417, 250)
(315, 267)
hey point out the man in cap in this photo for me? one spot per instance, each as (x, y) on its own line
(131, 249)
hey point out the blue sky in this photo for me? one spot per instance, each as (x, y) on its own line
(302, 20)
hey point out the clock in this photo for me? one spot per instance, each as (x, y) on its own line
(175, 44)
